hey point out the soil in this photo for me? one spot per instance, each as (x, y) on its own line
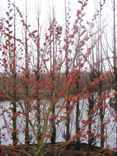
(4, 151)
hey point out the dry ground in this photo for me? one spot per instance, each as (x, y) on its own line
(67, 152)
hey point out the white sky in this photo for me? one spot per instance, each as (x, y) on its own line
(45, 8)
(58, 5)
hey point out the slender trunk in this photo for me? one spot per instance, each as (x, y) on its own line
(27, 139)
(67, 121)
(53, 112)
(114, 40)
(77, 117)
(102, 128)
(38, 79)
(115, 60)
(67, 72)
(53, 138)
(90, 114)
(68, 115)
(14, 134)
(14, 110)
(102, 113)
(53, 126)
(99, 58)
(27, 107)
(91, 101)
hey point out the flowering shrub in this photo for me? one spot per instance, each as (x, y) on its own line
(46, 85)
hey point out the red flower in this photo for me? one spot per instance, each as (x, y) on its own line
(53, 116)
(48, 135)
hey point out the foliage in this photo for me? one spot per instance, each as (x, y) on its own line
(53, 84)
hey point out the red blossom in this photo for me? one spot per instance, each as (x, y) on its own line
(47, 135)
(53, 116)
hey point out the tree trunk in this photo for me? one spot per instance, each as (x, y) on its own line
(90, 115)
(77, 117)
(53, 126)
(14, 110)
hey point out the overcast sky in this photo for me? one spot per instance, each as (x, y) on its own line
(58, 5)
(46, 8)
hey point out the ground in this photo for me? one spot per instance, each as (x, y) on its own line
(4, 151)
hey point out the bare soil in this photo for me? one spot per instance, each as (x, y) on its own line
(67, 152)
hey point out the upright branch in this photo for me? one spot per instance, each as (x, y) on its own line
(114, 105)
(37, 76)
(27, 107)
(67, 68)
(14, 134)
